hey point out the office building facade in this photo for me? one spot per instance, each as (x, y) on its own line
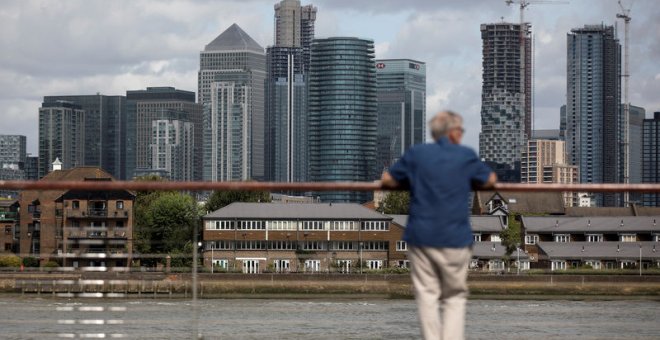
(401, 97)
(286, 92)
(12, 161)
(506, 110)
(593, 129)
(160, 104)
(342, 114)
(172, 148)
(651, 158)
(105, 130)
(61, 135)
(231, 84)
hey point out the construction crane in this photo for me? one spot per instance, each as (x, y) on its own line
(523, 4)
(625, 15)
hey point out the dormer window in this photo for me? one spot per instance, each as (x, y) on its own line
(594, 237)
(562, 238)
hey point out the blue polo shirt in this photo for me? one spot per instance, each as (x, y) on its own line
(440, 177)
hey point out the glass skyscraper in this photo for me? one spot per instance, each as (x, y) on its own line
(157, 104)
(401, 108)
(286, 92)
(61, 135)
(651, 158)
(231, 82)
(593, 94)
(105, 130)
(342, 114)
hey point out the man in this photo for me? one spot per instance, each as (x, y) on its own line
(440, 176)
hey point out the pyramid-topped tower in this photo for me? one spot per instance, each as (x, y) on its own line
(234, 38)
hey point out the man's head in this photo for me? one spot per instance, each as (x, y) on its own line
(447, 124)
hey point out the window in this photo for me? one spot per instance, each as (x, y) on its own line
(250, 245)
(656, 238)
(221, 264)
(312, 266)
(342, 245)
(375, 225)
(8, 230)
(344, 266)
(119, 224)
(281, 225)
(344, 225)
(628, 238)
(313, 225)
(562, 238)
(531, 239)
(374, 264)
(120, 205)
(281, 245)
(476, 237)
(401, 246)
(219, 245)
(252, 225)
(312, 245)
(220, 225)
(375, 245)
(595, 264)
(496, 265)
(558, 265)
(594, 237)
(403, 264)
(75, 205)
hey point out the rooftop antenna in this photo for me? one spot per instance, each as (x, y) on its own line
(625, 15)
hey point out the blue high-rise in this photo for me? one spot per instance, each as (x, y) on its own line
(593, 115)
(342, 114)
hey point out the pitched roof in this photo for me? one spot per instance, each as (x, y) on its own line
(522, 202)
(493, 250)
(478, 223)
(234, 39)
(336, 211)
(75, 174)
(612, 211)
(560, 224)
(599, 250)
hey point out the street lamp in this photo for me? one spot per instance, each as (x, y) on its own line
(360, 245)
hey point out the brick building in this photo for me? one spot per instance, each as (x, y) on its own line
(90, 229)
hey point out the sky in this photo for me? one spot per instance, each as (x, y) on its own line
(95, 46)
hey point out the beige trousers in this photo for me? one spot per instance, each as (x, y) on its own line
(439, 277)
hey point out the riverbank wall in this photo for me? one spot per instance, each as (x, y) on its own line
(147, 285)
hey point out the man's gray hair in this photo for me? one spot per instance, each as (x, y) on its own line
(443, 122)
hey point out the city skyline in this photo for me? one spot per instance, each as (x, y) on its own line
(100, 54)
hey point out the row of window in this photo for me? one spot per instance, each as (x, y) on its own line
(293, 225)
(303, 245)
(563, 238)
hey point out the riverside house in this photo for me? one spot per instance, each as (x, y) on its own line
(324, 237)
(557, 242)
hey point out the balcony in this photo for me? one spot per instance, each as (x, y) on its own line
(8, 216)
(95, 212)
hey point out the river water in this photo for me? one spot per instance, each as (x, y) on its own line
(47, 318)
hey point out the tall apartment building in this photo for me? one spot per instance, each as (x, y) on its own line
(544, 161)
(286, 92)
(651, 158)
(173, 148)
(231, 83)
(506, 110)
(143, 107)
(61, 135)
(31, 167)
(593, 129)
(105, 130)
(342, 114)
(401, 97)
(12, 161)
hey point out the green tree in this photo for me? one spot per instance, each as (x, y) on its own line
(511, 237)
(171, 219)
(142, 217)
(395, 202)
(221, 199)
